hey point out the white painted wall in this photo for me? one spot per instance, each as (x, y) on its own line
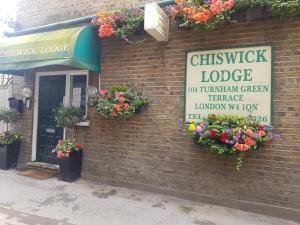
(5, 93)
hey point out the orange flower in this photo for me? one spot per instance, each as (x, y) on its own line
(122, 99)
(242, 147)
(249, 132)
(106, 30)
(126, 105)
(114, 114)
(118, 107)
(249, 141)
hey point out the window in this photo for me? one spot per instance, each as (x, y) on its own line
(76, 86)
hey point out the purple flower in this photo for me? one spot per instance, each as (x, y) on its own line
(228, 130)
(227, 141)
(235, 138)
(232, 142)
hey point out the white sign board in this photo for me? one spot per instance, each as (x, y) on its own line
(236, 81)
(156, 22)
(76, 97)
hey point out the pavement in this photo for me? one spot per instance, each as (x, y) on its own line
(26, 201)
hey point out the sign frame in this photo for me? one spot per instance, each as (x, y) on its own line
(269, 44)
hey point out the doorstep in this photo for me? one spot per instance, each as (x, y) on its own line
(43, 165)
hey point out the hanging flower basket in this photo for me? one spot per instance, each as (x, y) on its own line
(122, 24)
(120, 102)
(202, 14)
(230, 135)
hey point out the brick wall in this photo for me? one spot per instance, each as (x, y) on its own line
(150, 151)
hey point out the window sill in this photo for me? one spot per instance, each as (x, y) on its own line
(85, 123)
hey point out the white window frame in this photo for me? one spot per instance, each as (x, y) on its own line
(38, 75)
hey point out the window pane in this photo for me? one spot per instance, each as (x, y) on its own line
(78, 91)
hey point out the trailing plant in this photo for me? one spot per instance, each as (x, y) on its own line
(274, 7)
(230, 135)
(120, 102)
(123, 23)
(201, 14)
(67, 117)
(64, 148)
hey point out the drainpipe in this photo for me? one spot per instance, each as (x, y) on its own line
(66, 23)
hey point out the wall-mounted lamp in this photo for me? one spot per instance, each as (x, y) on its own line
(27, 94)
(92, 92)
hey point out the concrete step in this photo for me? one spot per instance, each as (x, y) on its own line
(43, 165)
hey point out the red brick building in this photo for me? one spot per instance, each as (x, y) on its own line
(149, 151)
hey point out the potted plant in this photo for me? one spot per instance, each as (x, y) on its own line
(227, 135)
(9, 140)
(201, 14)
(120, 102)
(68, 151)
(123, 24)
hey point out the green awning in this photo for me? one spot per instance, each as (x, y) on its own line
(77, 47)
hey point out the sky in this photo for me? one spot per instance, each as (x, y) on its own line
(8, 9)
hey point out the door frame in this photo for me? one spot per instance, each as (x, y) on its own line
(38, 75)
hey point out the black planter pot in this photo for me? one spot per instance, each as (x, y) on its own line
(4, 157)
(14, 150)
(70, 168)
(179, 20)
(9, 155)
(256, 13)
(141, 109)
(141, 30)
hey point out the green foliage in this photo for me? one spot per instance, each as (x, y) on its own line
(9, 116)
(274, 7)
(120, 102)
(64, 148)
(284, 7)
(128, 22)
(230, 135)
(68, 116)
(9, 138)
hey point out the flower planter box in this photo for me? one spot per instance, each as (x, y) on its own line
(9, 155)
(256, 13)
(70, 168)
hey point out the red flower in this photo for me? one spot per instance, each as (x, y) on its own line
(261, 127)
(224, 137)
(80, 146)
(213, 132)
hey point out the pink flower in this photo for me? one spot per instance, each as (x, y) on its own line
(60, 142)
(103, 92)
(59, 154)
(228, 5)
(199, 129)
(216, 7)
(118, 94)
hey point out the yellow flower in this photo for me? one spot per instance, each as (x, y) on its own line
(192, 127)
